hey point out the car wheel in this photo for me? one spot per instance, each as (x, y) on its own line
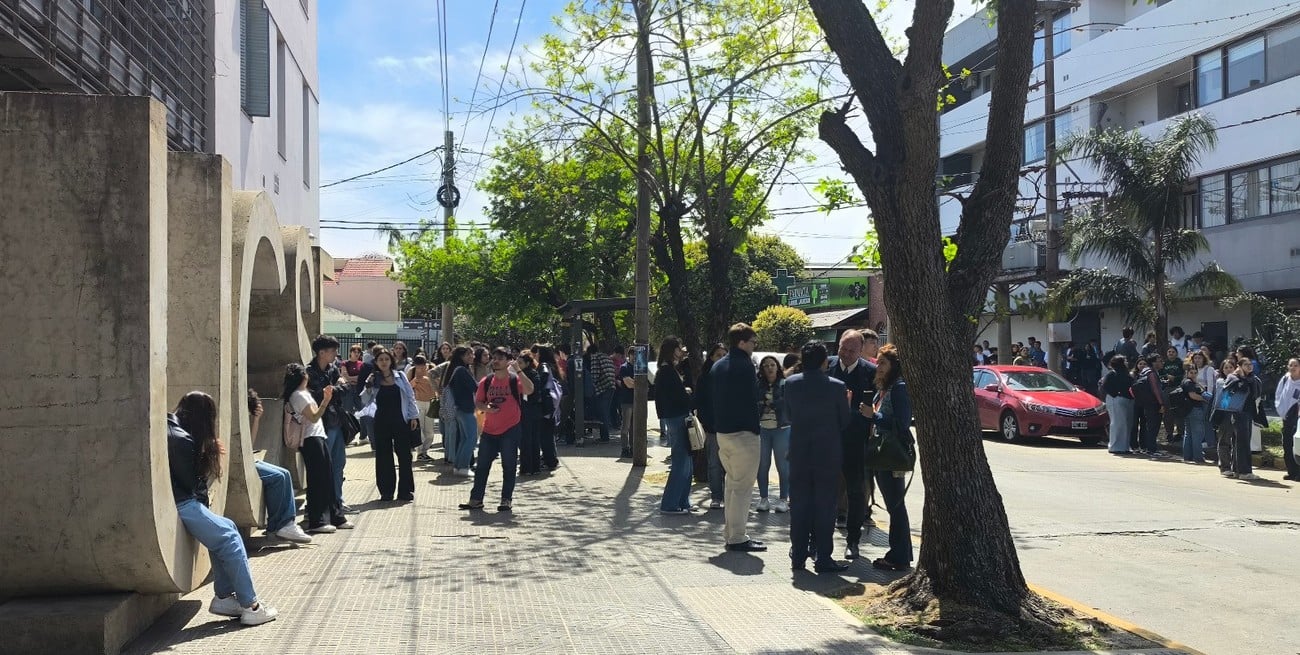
(1010, 426)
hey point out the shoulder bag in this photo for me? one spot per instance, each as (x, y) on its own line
(295, 428)
(696, 433)
(887, 450)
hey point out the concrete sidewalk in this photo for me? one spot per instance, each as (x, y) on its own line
(584, 564)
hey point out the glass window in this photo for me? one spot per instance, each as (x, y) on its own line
(1063, 125)
(1249, 194)
(1245, 65)
(1214, 208)
(1039, 52)
(1035, 143)
(1209, 78)
(1285, 181)
(1284, 52)
(1061, 34)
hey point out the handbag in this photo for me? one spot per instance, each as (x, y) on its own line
(1231, 401)
(295, 428)
(435, 409)
(696, 433)
(887, 451)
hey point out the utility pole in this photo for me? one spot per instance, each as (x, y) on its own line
(448, 197)
(1053, 265)
(644, 96)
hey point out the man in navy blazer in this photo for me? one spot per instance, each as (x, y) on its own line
(819, 414)
(733, 390)
(859, 376)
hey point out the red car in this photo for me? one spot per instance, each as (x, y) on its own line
(1029, 401)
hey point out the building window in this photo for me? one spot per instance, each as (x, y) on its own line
(1060, 38)
(1263, 59)
(1245, 66)
(1035, 143)
(1214, 209)
(1260, 190)
(1283, 52)
(254, 58)
(281, 98)
(307, 103)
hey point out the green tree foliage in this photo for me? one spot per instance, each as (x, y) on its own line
(1277, 331)
(782, 329)
(737, 83)
(1139, 228)
(560, 230)
(751, 276)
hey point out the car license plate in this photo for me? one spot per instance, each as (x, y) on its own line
(1079, 425)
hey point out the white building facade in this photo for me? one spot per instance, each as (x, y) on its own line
(1127, 65)
(265, 103)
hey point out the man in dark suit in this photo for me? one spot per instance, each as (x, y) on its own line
(859, 376)
(819, 413)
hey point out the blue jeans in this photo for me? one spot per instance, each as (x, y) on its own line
(1196, 428)
(338, 448)
(277, 492)
(219, 535)
(489, 447)
(677, 492)
(893, 490)
(774, 441)
(466, 438)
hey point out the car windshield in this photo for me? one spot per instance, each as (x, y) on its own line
(1037, 381)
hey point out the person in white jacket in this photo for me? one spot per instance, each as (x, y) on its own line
(397, 421)
(1287, 401)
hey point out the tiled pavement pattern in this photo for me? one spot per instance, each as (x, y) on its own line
(585, 564)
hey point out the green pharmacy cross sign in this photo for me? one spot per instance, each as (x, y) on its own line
(827, 293)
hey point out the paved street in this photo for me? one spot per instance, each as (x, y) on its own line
(585, 565)
(1205, 561)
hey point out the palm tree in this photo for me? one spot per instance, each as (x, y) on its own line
(1140, 227)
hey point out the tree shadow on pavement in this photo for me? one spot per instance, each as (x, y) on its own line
(738, 563)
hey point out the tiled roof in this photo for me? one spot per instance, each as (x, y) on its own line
(366, 267)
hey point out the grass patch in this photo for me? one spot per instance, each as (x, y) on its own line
(1053, 627)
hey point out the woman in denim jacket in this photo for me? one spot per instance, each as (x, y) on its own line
(397, 422)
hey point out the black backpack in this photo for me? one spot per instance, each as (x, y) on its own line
(1143, 394)
(1179, 403)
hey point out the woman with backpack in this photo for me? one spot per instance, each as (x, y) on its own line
(397, 421)
(194, 457)
(324, 511)
(1119, 405)
(533, 415)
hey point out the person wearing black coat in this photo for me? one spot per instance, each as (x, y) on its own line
(734, 391)
(818, 411)
(859, 376)
(673, 405)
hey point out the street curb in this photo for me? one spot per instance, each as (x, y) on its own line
(1108, 619)
(1112, 621)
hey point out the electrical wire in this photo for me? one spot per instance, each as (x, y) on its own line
(482, 60)
(380, 170)
(505, 70)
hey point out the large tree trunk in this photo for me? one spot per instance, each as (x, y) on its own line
(721, 291)
(670, 254)
(967, 554)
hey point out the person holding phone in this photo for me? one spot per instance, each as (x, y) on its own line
(499, 397)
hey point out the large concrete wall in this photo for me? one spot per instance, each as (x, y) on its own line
(142, 276)
(83, 454)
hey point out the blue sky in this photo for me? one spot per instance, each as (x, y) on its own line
(381, 103)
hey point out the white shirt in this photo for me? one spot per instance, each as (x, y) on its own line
(849, 368)
(300, 401)
(1182, 346)
(1206, 377)
(1288, 394)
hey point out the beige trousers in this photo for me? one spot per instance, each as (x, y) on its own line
(739, 454)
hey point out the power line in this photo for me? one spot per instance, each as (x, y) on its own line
(441, 8)
(482, 60)
(380, 170)
(505, 70)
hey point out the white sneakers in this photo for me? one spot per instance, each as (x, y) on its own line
(323, 529)
(763, 505)
(262, 614)
(292, 532)
(346, 525)
(464, 473)
(228, 606)
(1249, 477)
(780, 506)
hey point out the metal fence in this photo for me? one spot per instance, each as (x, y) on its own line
(156, 48)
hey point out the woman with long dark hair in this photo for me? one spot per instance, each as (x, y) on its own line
(401, 357)
(443, 354)
(673, 404)
(550, 370)
(892, 409)
(459, 385)
(481, 366)
(396, 420)
(194, 457)
(704, 401)
(324, 509)
(774, 435)
(1119, 405)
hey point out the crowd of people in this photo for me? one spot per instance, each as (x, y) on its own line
(816, 416)
(819, 417)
